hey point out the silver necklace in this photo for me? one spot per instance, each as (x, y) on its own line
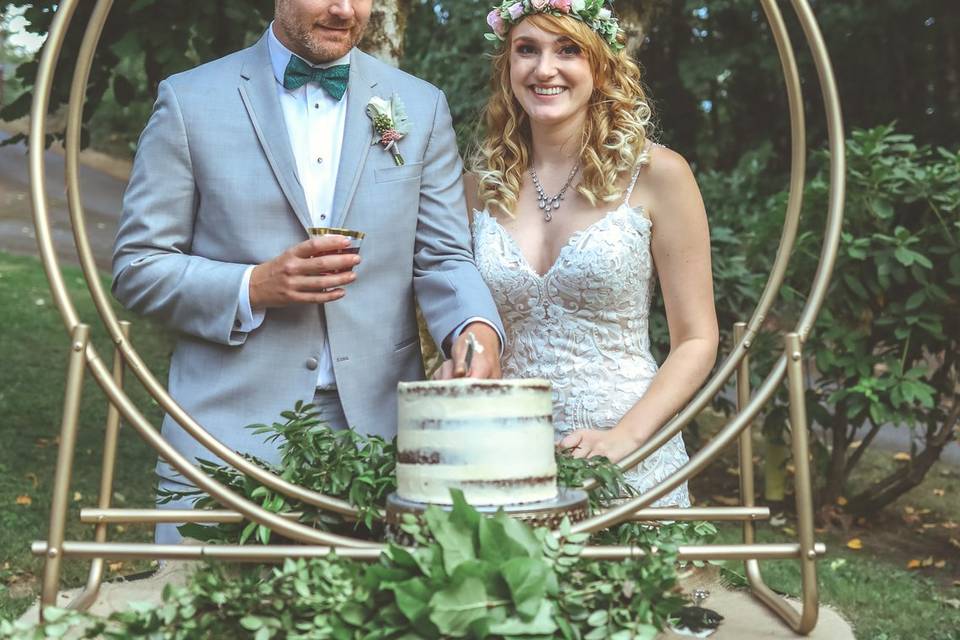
(550, 204)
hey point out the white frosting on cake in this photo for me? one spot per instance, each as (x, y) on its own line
(492, 439)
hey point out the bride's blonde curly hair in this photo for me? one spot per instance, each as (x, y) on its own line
(614, 134)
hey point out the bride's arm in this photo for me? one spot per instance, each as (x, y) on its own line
(681, 253)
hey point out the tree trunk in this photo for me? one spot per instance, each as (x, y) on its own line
(385, 33)
(833, 488)
(636, 18)
(912, 473)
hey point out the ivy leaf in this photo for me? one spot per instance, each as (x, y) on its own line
(527, 580)
(455, 608)
(542, 623)
(456, 542)
(413, 597)
(496, 545)
(463, 516)
(353, 613)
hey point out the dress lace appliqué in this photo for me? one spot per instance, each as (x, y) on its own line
(583, 325)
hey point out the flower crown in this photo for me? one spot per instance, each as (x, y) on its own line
(592, 13)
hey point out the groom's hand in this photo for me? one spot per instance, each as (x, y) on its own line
(486, 361)
(311, 272)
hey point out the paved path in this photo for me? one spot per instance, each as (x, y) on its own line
(101, 193)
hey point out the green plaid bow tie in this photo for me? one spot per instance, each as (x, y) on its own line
(332, 79)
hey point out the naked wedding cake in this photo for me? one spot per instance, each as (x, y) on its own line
(493, 439)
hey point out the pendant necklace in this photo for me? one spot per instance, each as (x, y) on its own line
(550, 204)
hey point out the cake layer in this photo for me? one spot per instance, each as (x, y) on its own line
(432, 483)
(492, 439)
(522, 446)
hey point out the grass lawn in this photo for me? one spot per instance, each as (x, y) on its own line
(34, 346)
(881, 598)
(871, 587)
(865, 573)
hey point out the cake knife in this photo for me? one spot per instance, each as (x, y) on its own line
(472, 347)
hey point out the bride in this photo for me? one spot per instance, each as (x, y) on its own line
(576, 215)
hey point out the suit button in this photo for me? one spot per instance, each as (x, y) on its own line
(312, 364)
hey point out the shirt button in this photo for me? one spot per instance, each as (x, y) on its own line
(312, 364)
(323, 216)
(319, 160)
(316, 105)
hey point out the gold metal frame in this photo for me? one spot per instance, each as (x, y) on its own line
(317, 543)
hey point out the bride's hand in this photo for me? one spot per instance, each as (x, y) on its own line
(587, 443)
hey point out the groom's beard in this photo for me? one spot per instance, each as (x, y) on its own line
(320, 42)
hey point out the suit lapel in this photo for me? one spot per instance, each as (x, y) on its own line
(357, 136)
(259, 93)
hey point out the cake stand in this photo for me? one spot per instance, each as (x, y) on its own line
(569, 503)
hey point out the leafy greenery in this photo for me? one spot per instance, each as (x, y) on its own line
(471, 577)
(708, 64)
(886, 344)
(361, 470)
(343, 464)
(135, 54)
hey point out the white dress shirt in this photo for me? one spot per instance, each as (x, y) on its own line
(315, 124)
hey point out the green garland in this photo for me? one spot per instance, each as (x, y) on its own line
(469, 576)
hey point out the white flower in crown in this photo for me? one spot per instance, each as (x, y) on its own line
(390, 124)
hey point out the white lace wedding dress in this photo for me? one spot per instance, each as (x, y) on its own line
(583, 325)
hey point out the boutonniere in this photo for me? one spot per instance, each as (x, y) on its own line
(390, 124)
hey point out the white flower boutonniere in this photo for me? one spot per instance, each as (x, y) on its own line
(390, 124)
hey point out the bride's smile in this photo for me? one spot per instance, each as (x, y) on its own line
(550, 75)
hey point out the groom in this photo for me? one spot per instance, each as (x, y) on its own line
(240, 157)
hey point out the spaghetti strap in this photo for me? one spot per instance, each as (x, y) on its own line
(641, 163)
(633, 183)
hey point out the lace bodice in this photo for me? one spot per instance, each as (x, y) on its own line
(583, 325)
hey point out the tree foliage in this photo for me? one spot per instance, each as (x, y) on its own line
(884, 351)
(143, 42)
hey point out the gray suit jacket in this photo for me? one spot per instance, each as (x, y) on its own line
(214, 189)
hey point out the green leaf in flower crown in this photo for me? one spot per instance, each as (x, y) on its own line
(456, 608)
(527, 580)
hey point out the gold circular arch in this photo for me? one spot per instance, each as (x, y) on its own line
(788, 365)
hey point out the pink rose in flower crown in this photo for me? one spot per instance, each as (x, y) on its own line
(563, 6)
(496, 23)
(516, 10)
(540, 5)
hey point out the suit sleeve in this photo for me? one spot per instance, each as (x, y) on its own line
(448, 287)
(154, 273)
